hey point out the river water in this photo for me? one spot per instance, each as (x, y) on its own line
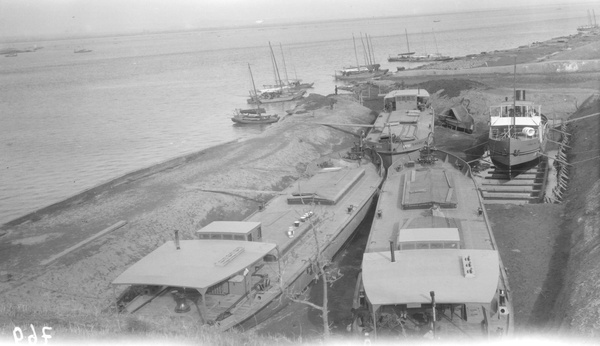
(71, 121)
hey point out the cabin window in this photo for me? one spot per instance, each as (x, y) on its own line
(437, 245)
(422, 246)
(427, 245)
(222, 288)
(250, 237)
(474, 314)
(204, 236)
(238, 237)
(228, 236)
(270, 258)
(259, 232)
(407, 246)
(451, 311)
(215, 236)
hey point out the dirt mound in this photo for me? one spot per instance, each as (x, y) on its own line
(587, 52)
(450, 87)
(314, 101)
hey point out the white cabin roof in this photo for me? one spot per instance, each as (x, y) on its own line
(197, 264)
(407, 92)
(428, 234)
(417, 272)
(518, 121)
(238, 227)
(329, 185)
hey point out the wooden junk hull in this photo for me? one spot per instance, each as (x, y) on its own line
(255, 120)
(361, 75)
(277, 98)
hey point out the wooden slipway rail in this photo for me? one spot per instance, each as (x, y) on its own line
(520, 186)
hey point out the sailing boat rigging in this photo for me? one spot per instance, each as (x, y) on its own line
(411, 57)
(403, 56)
(278, 93)
(293, 84)
(255, 115)
(369, 70)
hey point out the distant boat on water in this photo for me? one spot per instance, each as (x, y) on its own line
(254, 115)
(361, 72)
(403, 56)
(592, 24)
(290, 84)
(83, 50)
(411, 57)
(250, 116)
(13, 52)
(278, 92)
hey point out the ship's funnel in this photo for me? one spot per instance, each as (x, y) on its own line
(520, 95)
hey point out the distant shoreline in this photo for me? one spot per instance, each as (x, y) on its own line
(279, 22)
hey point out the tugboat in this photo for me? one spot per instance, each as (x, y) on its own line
(431, 267)
(518, 132)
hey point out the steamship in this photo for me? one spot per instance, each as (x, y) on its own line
(238, 273)
(431, 267)
(518, 132)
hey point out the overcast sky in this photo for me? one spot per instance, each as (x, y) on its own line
(57, 17)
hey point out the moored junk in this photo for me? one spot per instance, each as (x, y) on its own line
(255, 115)
(370, 69)
(232, 274)
(244, 116)
(431, 267)
(280, 92)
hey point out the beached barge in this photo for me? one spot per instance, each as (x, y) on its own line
(431, 267)
(234, 272)
(406, 124)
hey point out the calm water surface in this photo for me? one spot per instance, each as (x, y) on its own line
(71, 121)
